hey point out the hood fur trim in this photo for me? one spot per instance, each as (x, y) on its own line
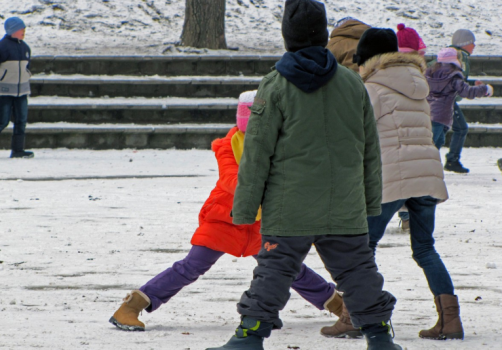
(392, 59)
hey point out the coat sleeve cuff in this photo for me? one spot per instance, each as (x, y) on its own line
(243, 221)
(374, 212)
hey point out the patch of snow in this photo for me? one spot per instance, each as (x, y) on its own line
(152, 27)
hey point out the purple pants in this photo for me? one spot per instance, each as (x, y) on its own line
(199, 260)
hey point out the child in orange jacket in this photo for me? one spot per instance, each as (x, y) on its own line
(217, 235)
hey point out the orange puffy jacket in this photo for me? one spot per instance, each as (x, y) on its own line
(216, 230)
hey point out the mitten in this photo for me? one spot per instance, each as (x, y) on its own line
(489, 92)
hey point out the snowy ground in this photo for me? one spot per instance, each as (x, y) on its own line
(146, 27)
(77, 232)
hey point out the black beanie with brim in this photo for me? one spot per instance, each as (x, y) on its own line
(373, 42)
(304, 24)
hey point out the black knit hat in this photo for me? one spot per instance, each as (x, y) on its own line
(373, 42)
(304, 24)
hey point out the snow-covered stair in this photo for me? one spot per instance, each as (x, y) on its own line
(78, 85)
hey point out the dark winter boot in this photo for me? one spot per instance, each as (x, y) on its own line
(126, 317)
(456, 167)
(499, 162)
(248, 336)
(379, 338)
(449, 325)
(17, 147)
(343, 328)
(334, 304)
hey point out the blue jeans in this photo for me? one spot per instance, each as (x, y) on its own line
(439, 134)
(422, 215)
(460, 130)
(17, 106)
(404, 215)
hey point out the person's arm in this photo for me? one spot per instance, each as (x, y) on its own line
(372, 160)
(228, 168)
(262, 132)
(465, 90)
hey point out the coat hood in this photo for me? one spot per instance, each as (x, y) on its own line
(352, 29)
(217, 144)
(440, 77)
(402, 72)
(308, 69)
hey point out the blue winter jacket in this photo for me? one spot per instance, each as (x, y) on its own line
(15, 57)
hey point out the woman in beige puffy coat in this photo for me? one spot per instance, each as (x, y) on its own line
(411, 167)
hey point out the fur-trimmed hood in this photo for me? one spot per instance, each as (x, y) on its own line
(399, 71)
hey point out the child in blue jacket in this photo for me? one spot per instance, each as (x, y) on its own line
(15, 56)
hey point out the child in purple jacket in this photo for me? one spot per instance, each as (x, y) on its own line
(446, 81)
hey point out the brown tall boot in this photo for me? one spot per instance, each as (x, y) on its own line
(126, 317)
(334, 304)
(342, 328)
(449, 325)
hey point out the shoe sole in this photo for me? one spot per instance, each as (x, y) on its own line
(348, 335)
(451, 336)
(125, 327)
(24, 157)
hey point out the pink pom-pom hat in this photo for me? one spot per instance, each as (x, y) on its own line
(409, 40)
(246, 100)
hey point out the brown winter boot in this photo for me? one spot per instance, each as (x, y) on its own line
(342, 328)
(449, 325)
(334, 304)
(126, 317)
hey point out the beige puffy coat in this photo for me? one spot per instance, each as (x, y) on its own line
(411, 163)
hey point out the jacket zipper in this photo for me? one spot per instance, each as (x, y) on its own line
(20, 57)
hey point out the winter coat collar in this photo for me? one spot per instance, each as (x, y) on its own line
(308, 69)
(399, 71)
(13, 39)
(351, 29)
(460, 49)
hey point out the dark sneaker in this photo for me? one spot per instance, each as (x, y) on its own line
(378, 337)
(22, 154)
(456, 167)
(248, 336)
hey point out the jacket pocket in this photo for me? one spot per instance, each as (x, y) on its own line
(254, 121)
(3, 75)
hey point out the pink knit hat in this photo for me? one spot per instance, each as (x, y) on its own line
(449, 55)
(246, 100)
(409, 40)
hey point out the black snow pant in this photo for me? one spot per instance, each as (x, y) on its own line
(348, 259)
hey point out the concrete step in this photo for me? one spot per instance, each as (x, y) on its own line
(131, 110)
(130, 86)
(109, 136)
(482, 110)
(169, 65)
(174, 65)
(78, 85)
(185, 110)
(181, 136)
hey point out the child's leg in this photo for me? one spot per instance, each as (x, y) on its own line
(460, 130)
(312, 287)
(166, 284)
(438, 134)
